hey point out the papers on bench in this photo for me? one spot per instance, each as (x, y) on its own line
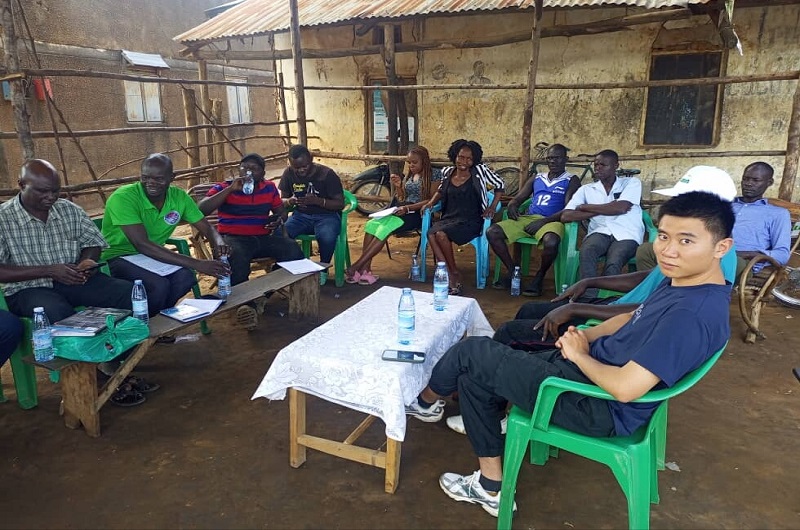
(192, 309)
(152, 265)
(301, 266)
(383, 213)
(87, 323)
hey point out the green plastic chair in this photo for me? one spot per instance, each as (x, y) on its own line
(24, 374)
(635, 460)
(341, 254)
(568, 251)
(566, 255)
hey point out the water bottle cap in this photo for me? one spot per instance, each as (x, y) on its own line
(38, 310)
(137, 282)
(440, 264)
(406, 290)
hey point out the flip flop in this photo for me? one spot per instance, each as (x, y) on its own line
(354, 278)
(139, 384)
(368, 278)
(126, 396)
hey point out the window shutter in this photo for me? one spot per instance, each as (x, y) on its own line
(152, 102)
(244, 104)
(233, 105)
(133, 101)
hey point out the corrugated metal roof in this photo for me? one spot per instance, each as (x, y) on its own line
(144, 59)
(260, 17)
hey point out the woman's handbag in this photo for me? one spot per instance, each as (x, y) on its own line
(115, 339)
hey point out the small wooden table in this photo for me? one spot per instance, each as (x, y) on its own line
(340, 361)
(83, 401)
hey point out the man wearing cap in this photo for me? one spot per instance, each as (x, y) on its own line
(250, 219)
(760, 227)
(611, 205)
(139, 218)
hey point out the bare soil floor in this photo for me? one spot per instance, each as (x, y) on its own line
(200, 454)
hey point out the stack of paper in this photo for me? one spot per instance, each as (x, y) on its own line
(88, 322)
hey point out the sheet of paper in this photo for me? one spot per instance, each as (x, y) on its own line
(301, 266)
(383, 213)
(152, 265)
(204, 305)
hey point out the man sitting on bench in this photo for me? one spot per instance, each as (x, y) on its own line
(627, 355)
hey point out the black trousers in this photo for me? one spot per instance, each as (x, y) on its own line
(59, 301)
(162, 291)
(247, 248)
(10, 335)
(488, 374)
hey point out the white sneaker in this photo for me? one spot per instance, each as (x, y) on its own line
(457, 424)
(431, 414)
(467, 488)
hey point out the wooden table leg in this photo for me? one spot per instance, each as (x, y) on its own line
(79, 389)
(297, 426)
(392, 465)
(304, 298)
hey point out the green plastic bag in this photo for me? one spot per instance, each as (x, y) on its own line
(106, 345)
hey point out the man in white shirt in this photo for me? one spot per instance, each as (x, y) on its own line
(615, 218)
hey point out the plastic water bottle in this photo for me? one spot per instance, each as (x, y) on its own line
(249, 185)
(441, 284)
(564, 287)
(139, 302)
(405, 317)
(224, 282)
(415, 274)
(42, 336)
(310, 189)
(515, 282)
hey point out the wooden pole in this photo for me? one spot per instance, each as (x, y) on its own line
(284, 113)
(192, 136)
(205, 107)
(219, 146)
(58, 72)
(20, 109)
(299, 84)
(391, 78)
(527, 112)
(792, 159)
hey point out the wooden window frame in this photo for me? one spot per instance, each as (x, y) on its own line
(369, 137)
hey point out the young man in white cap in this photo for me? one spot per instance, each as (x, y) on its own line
(760, 227)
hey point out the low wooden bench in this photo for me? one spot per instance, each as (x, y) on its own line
(82, 398)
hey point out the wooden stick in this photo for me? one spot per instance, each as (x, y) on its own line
(284, 112)
(190, 117)
(50, 72)
(527, 111)
(20, 109)
(147, 130)
(700, 81)
(205, 109)
(790, 164)
(299, 83)
(391, 78)
(219, 147)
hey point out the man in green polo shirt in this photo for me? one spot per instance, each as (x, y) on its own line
(140, 217)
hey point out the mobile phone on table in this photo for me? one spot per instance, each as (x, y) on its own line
(403, 356)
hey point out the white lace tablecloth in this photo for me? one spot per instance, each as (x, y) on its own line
(340, 361)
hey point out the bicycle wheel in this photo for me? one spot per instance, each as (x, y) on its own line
(510, 176)
(375, 190)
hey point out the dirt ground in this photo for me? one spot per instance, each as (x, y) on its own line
(200, 454)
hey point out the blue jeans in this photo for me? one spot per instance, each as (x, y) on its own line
(325, 227)
(617, 254)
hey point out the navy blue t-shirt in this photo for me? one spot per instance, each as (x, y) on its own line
(674, 331)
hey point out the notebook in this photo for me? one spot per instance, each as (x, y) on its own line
(192, 309)
(88, 322)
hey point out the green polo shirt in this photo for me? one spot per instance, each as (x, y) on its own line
(129, 205)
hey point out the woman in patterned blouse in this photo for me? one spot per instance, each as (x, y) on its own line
(412, 192)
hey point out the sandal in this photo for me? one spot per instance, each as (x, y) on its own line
(368, 278)
(354, 278)
(126, 396)
(139, 384)
(455, 291)
(247, 317)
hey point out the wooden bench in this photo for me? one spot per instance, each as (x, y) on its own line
(82, 398)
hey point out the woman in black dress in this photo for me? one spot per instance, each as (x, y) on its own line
(463, 193)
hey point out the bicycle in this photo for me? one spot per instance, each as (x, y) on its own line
(583, 166)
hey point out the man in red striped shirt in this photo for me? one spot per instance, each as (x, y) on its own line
(251, 223)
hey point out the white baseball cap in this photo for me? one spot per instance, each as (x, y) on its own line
(709, 179)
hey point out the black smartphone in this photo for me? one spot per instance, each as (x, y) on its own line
(272, 218)
(403, 356)
(93, 267)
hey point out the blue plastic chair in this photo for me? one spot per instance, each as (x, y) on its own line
(480, 243)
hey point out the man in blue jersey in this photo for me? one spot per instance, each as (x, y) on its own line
(627, 355)
(549, 193)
